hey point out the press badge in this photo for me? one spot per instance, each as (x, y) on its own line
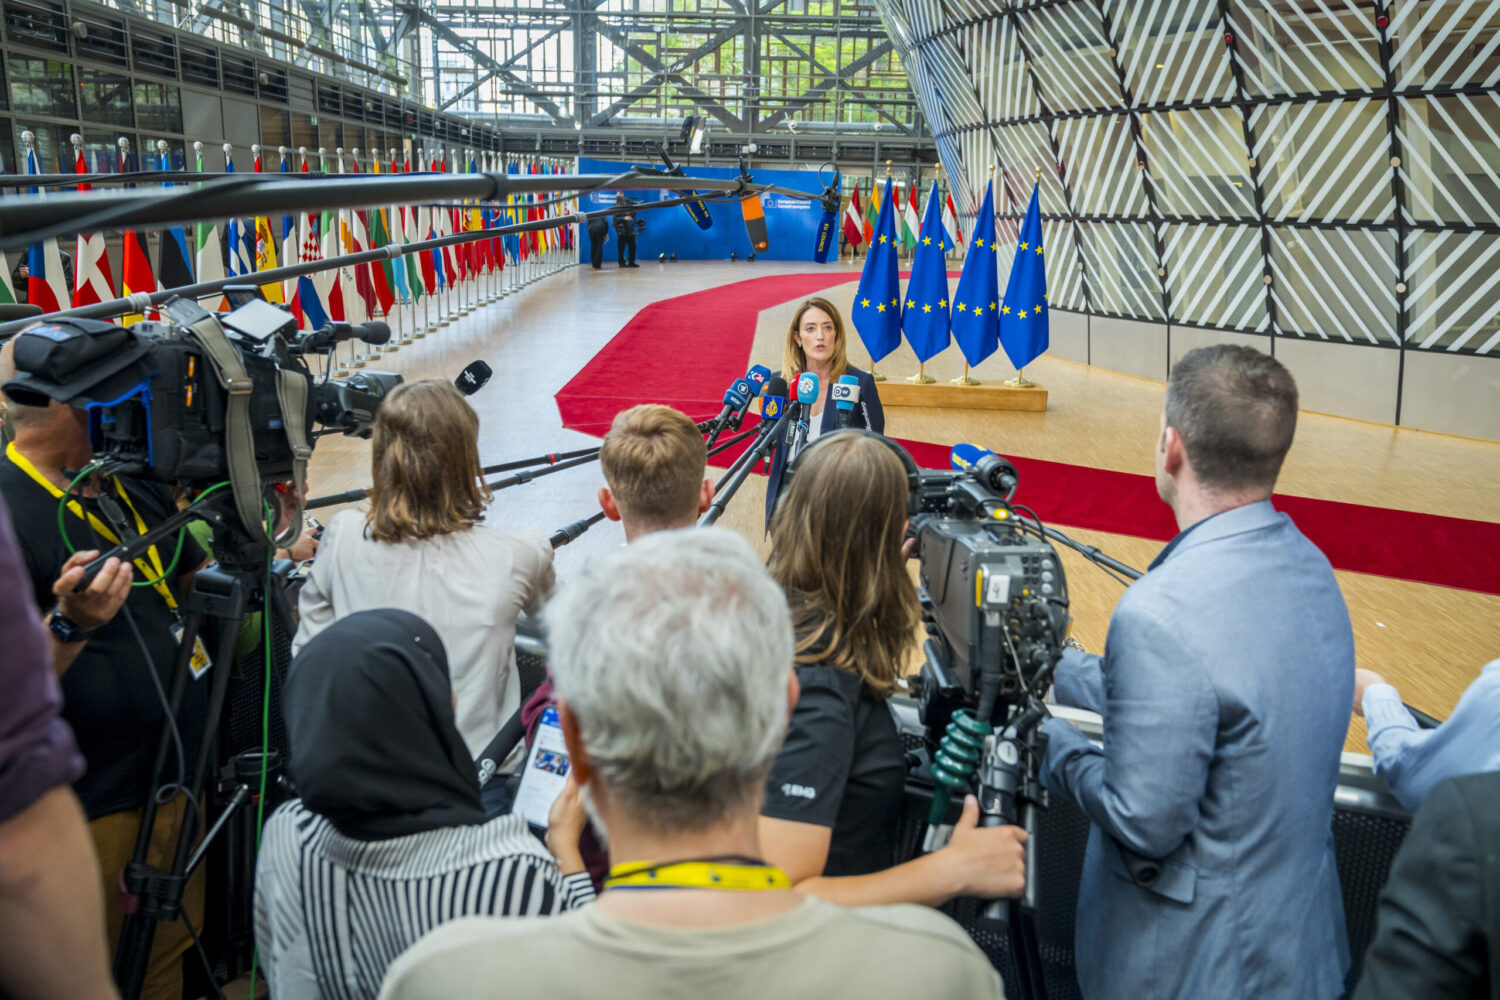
(200, 661)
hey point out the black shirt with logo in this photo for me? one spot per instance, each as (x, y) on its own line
(842, 766)
(108, 696)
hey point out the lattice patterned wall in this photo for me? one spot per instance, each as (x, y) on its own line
(1326, 170)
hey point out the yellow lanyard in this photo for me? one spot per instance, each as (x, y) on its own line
(697, 875)
(152, 570)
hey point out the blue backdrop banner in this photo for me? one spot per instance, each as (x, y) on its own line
(791, 222)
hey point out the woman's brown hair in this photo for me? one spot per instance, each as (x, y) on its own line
(426, 464)
(836, 550)
(794, 359)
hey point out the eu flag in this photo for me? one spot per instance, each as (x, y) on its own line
(1023, 317)
(976, 300)
(925, 318)
(877, 303)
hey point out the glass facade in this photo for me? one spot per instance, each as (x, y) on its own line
(1326, 170)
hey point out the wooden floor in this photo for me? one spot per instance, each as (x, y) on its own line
(1429, 641)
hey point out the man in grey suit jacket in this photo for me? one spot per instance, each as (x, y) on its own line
(1225, 688)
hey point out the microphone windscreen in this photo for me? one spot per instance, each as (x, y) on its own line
(699, 213)
(757, 376)
(825, 241)
(846, 392)
(965, 455)
(473, 377)
(807, 388)
(373, 332)
(738, 393)
(773, 399)
(18, 310)
(755, 224)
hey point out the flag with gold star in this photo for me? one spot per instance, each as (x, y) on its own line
(877, 302)
(924, 317)
(976, 300)
(1023, 314)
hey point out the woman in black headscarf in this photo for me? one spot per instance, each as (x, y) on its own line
(388, 839)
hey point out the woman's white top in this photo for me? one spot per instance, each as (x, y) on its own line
(469, 585)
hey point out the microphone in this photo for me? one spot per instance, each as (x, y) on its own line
(373, 332)
(826, 237)
(696, 209)
(756, 376)
(845, 395)
(736, 396)
(473, 377)
(993, 471)
(773, 399)
(807, 397)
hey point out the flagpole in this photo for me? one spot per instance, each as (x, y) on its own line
(875, 375)
(964, 379)
(1021, 381)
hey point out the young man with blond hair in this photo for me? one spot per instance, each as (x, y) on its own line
(654, 461)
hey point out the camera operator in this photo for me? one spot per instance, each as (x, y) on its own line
(107, 640)
(1225, 689)
(625, 234)
(598, 230)
(51, 913)
(673, 659)
(833, 798)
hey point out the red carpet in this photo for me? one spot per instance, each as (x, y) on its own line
(686, 350)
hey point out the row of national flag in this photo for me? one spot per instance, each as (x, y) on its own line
(978, 317)
(211, 251)
(859, 230)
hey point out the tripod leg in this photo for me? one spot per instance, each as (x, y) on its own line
(159, 893)
(133, 951)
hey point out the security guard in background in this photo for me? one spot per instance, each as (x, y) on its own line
(625, 234)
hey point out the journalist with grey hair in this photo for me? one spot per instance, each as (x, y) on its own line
(673, 666)
(1225, 687)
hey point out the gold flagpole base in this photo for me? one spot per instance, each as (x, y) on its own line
(964, 380)
(921, 377)
(875, 376)
(1020, 381)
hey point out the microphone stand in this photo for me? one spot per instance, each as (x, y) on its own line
(737, 473)
(1108, 564)
(557, 461)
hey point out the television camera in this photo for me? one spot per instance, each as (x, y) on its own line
(222, 405)
(995, 606)
(198, 398)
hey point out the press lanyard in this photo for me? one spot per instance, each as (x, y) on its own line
(146, 568)
(707, 873)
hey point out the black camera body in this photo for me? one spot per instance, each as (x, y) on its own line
(173, 429)
(994, 597)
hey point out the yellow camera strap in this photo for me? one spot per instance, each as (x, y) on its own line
(149, 565)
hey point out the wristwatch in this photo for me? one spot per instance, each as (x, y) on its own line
(63, 628)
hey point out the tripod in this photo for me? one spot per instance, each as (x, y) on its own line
(1010, 794)
(223, 593)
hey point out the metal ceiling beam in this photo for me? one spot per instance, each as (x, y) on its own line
(813, 94)
(507, 65)
(541, 100)
(663, 73)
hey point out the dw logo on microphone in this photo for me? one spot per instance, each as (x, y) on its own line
(842, 392)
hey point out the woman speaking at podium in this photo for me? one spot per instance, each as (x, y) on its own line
(815, 343)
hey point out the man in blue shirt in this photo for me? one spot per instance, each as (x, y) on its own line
(1412, 759)
(1224, 690)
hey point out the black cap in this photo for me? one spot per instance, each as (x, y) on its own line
(76, 361)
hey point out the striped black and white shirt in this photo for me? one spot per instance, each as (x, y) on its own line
(332, 912)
